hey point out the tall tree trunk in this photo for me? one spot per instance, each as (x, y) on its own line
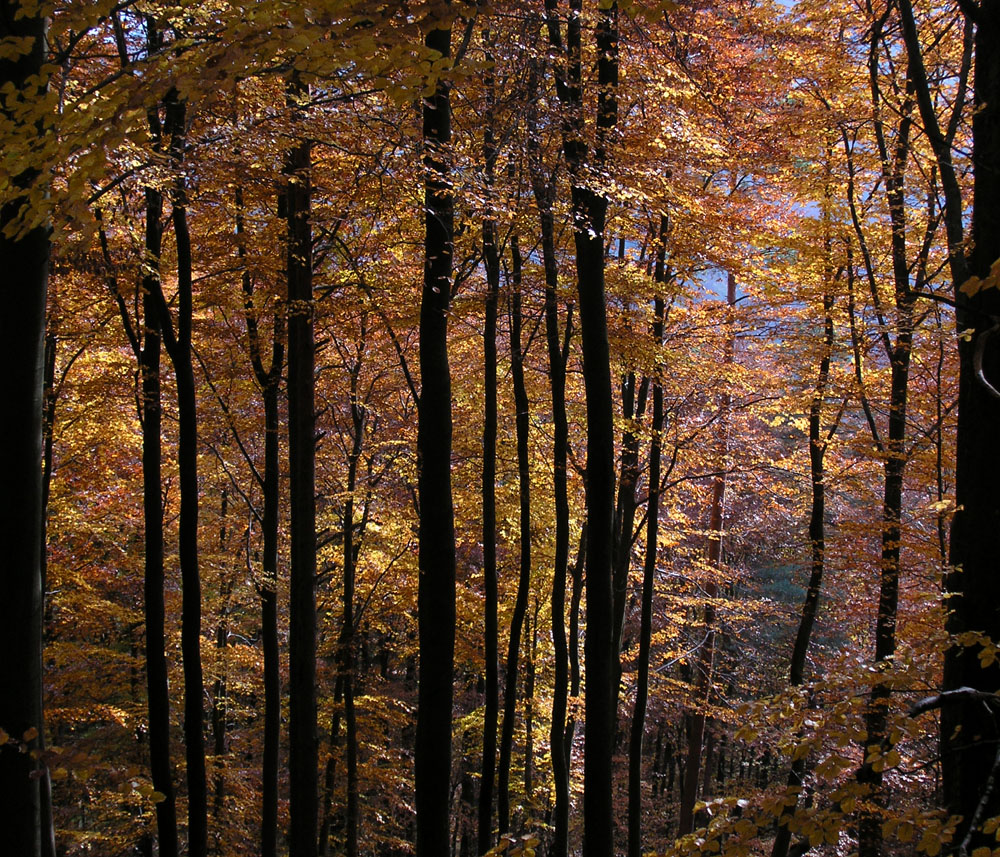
(153, 600)
(633, 407)
(531, 649)
(524, 494)
(491, 260)
(972, 586)
(893, 448)
(648, 576)
(436, 593)
(302, 740)
(589, 213)
(817, 540)
(269, 618)
(269, 381)
(178, 346)
(706, 653)
(347, 643)
(544, 192)
(220, 703)
(24, 260)
(968, 773)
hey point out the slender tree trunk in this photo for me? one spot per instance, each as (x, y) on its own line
(348, 661)
(524, 494)
(817, 529)
(560, 446)
(436, 593)
(648, 577)
(154, 608)
(220, 689)
(633, 407)
(269, 380)
(589, 213)
(178, 346)
(531, 647)
(269, 620)
(491, 260)
(25, 263)
(302, 740)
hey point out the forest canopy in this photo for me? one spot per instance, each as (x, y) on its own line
(466, 428)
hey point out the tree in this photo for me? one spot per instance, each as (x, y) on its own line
(302, 738)
(436, 605)
(973, 620)
(24, 256)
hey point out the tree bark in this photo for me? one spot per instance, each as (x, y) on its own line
(303, 747)
(25, 262)
(436, 593)
(544, 192)
(269, 381)
(521, 407)
(491, 261)
(648, 579)
(178, 346)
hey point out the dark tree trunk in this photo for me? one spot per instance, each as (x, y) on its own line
(893, 448)
(348, 661)
(302, 740)
(179, 348)
(220, 690)
(817, 530)
(589, 212)
(531, 649)
(633, 407)
(524, 494)
(491, 261)
(269, 617)
(970, 766)
(648, 578)
(436, 594)
(544, 192)
(25, 263)
(269, 380)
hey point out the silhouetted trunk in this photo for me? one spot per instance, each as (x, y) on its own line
(648, 577)
(818, 442)
(969, 767)
(892, 449)
(220, 702)
(178, 346)
(24, 261)
(269, 380)
(348, 661)
(633, 407)
(589, 211)
(706, 652)
(302, 739)
(436, 594)
(524, 494)
(544, 192)
(269, 615)
(491, 261)
(531, 648)
(156, 662)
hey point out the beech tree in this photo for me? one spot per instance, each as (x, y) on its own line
(24, 255)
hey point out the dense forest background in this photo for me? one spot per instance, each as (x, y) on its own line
(450, 428)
